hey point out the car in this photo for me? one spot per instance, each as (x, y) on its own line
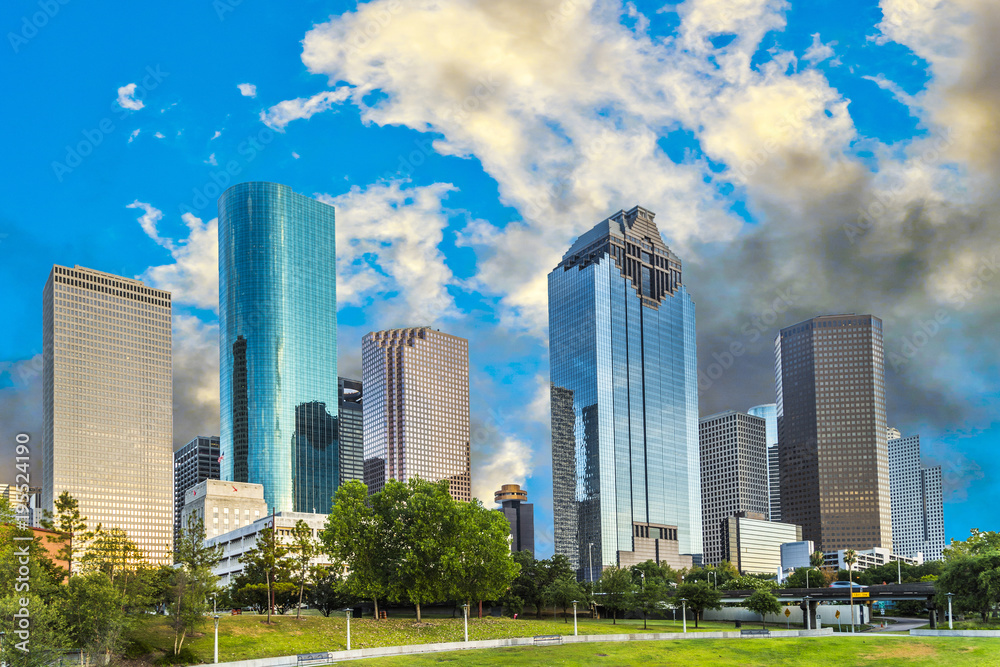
(846, 584)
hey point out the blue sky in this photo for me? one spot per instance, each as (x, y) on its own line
(802, 158)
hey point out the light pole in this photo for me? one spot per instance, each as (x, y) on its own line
(684, 614)
(347, 611)
(715, 579)
(590, 559)
(808, 615)
(951, 625)
(899, 571)
(574, 618)
(216, 617)
(807, 577)
(465, 615)
(214, 610)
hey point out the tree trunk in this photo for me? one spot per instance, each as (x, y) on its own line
(375, 600)
(417, 605)
(302, 587)
(614, 617)
(643, 619)
(267, 577)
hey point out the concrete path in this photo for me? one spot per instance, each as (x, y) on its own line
(900, 625)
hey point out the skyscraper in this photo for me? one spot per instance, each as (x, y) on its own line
(278, 345)
(520, 514)
(416, 411)
(107, 402)
(769, 412)
(622, 340)
(733, 475)
(566, 516)
(917, 500)
(350, 430)
(193, 463)
(832, 431)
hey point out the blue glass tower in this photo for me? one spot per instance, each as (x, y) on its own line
(278, 345)
(622, 349)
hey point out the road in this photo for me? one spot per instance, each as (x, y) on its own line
(900, 625)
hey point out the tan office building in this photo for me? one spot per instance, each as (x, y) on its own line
(107, 400)
(223, 506)
(416, 416)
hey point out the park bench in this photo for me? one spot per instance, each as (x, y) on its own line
(304, 659)
(755, 633)
(548, 639)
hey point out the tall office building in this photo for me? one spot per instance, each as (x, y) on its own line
(520, 514)
(917, 500)
(733, 475)
(416, 416)
(193, 463)
(769, 412)
(832, 431)
(350, 430)
(566, 517)
(278, 345)
(107, 402)
(622, 340)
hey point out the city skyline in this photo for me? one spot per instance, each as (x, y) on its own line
(802, 159)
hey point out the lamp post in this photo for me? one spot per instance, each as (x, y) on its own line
(216, 617)
(574, 618)
(807, 577)
(684, 613)
(808, 615)
(899, 571)
(465, 616)
(347, 611)
(590, 559)
(214, 610)
(951, 624)
(715, 579)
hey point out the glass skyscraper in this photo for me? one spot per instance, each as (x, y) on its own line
(622, 340)
(278, 345)
(769, 412)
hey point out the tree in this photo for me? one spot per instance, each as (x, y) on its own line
(303, 548)
(268, 555)
(70, 526)
(94, 614)
(978, 542)
(616, 591)
(763, 603)
(480, 566)
(328, 592)
(525, 586)
(698, 597)
(357, 535)
(974, 580)
(192, 581)
(112, 552)
(650, 595)
(817, 558)
(806, 577)
(48, 637)
(562, 592)
(752, 582)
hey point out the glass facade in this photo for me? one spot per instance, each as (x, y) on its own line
(769, 413)
(622, 340)
(350, 432)
(278, 345)
(107, 403)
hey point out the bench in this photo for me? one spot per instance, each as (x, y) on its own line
(548, 639)
(755, 633)
(304, 659)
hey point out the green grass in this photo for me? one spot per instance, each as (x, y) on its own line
(968, 624)
(804, 652)
(247, 637)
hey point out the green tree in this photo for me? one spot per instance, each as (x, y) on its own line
(192, 581)
(48, 634)
(328, 592)
(479, 565)
(752, 582)
(977, 543)
(357, 535)
(973, 579)
(763, 603)
(805, 577)
(615, 591)
(303, 549)
(286, 596)
(70, 528)
(817, 559)
(652, 592)
(268, 556)
(525, 586)
(699, 596)
(94, 614)
(562, 592)
(112, 552)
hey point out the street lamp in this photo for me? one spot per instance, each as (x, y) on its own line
(214, 610)
(684, 613)
(951, 625)
(715, 579)
(216, 617)
(465, 615)
(574, 618)
(347, 611)
(808, 615)
(643, 575)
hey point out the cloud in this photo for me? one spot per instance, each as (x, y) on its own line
(193, 277)
(135, 133)
(211, 160)
(196, 378)
(818, 51)
(159, 135)
(295, 155)
(497, 459)
(281, 114)
(126, 98)
(216, 135)
(21, 409)
(247, 89)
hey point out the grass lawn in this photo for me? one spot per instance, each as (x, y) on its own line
(804, 652)
(247, 637)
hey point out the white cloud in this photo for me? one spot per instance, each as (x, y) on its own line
(135, 133)
(281, 114)
(295, 155)
(507, 461)
(247, 89)
(196, 377)
(818, 51)
(126, 98)
(216, 135)
(149, 222)
(159, 135)
(211, 160)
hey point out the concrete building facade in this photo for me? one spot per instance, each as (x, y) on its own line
(917, 500)
(107, 404)
(193, 463)
(224, 506)
(753, 544)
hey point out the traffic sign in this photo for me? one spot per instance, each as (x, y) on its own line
(837, 615)
(788, 612)
(862, 594)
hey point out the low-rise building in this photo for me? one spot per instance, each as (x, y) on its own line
(796, 554)
(868, 558)
(520, 514)
(753, 544)
(224, 506)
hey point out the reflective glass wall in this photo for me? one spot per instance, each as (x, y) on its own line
(278, 345)
(622, 340)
